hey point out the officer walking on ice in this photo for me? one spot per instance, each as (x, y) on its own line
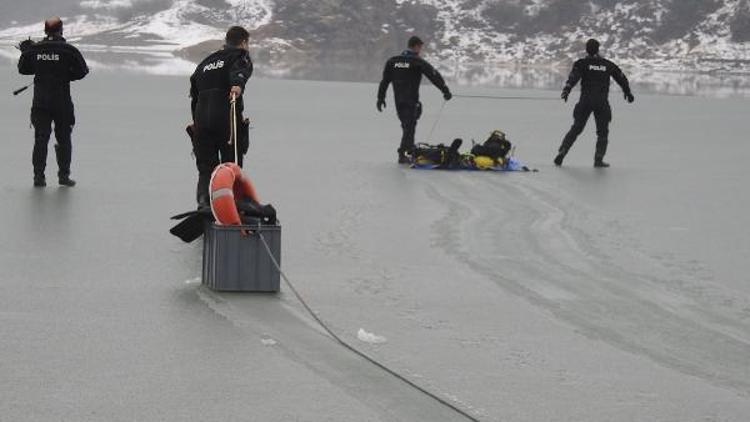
(594, 72)
(54, 64)
(405, 73)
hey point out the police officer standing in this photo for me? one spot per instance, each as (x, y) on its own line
(55, 63)
(594, 72)
(405, 72)
(215, 81)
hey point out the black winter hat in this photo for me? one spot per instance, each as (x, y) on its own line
(592, 47)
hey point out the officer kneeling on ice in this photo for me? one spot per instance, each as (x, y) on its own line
(405, 72)
(594, 72)
(217, 79)
(54, 64)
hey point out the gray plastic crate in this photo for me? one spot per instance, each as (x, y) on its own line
(236, 263)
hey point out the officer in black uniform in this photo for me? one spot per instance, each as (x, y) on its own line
(216, 79)
(594, 72)
(405, 72)
(55, 63)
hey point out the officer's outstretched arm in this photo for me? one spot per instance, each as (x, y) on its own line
(574, 77)
(387, 79)
(78, 67)
(436, 78)
(622, 80)
(241, 71)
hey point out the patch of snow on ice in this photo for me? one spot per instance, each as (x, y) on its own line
(268, 342)
(370, 338)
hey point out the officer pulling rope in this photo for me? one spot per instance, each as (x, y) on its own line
(218, 79)
(405, 72)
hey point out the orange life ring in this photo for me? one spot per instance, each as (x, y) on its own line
(227, 185)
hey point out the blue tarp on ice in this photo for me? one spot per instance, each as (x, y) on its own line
(512, 164)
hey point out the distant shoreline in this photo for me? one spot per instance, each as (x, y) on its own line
(656, 79)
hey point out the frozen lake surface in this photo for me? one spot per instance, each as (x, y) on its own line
(570, 294)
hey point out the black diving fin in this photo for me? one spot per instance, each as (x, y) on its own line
(192, 225)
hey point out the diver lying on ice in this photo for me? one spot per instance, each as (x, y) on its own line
(495, 154)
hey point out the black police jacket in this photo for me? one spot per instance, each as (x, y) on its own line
(595, 72)
(54, 64)
(405, 73)
(210, 85)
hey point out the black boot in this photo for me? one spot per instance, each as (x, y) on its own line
(600, 164)
(202, 196)
(203, 201)
(560, 157)
(63, 163)
(403, 158)
(39, 180)
(66, 181)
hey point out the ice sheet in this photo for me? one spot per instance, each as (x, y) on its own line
(568, 294)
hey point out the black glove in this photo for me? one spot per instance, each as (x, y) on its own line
(381, 105)
(25, 45)
(268, 212)
(447, 95)
(565, 94)
(629, 97)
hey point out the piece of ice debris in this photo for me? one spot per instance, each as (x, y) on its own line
(268, 342)
(371, 338)
(195, 280)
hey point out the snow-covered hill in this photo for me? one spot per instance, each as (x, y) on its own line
(703, 35)
(674, 34)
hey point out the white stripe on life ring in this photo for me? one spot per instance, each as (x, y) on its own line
(218, 193)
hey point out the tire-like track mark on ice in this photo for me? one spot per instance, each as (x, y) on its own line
(523, 239)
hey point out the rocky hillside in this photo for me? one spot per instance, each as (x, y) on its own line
(355, 35)
(669, 34)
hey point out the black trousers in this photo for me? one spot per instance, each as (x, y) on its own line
(408, 114)
(64, 120)
(602, 115)
(211, 149)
